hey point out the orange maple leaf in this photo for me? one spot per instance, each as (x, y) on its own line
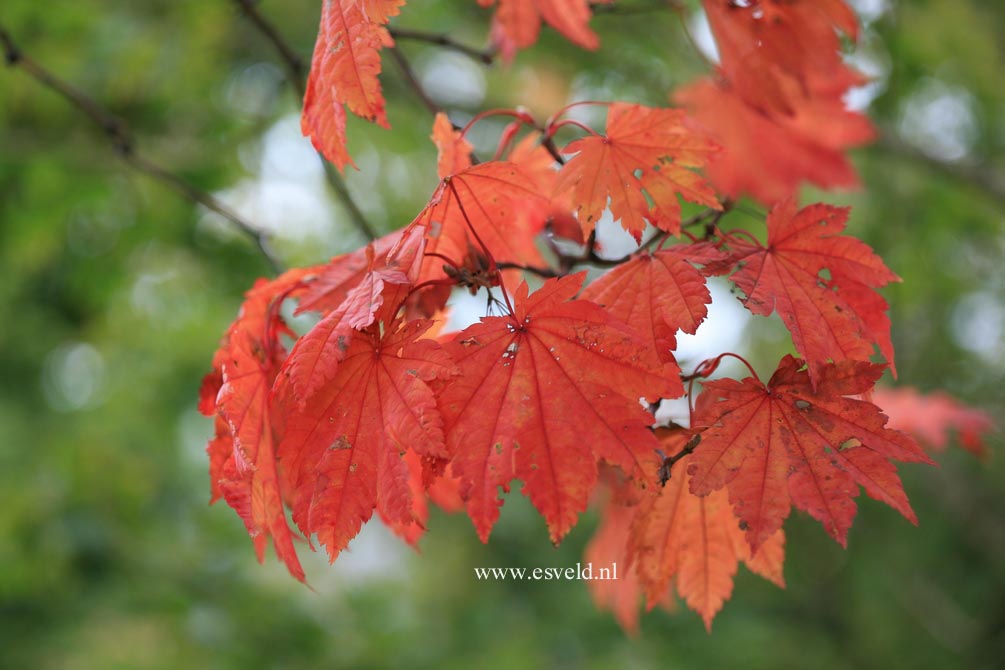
(344, 73)
(655, 144)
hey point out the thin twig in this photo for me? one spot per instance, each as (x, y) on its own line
(621, 9)
(668, 462)
(484, 56)
(295, 69)
(124, 144)
(413, 81)
(296, 72)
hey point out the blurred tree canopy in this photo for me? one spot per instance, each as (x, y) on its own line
(115, 291)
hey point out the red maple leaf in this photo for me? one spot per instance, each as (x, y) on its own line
(376, 296)
(646, 151)
(787, 444)
(242, 453)
(516, 23)
(343, 446)
(772, 52)
(931, 417)
(327, 289)
(769, 156)
(344, 73)
(475, 209)
(658, 293)
(542, 394)
(821, 283)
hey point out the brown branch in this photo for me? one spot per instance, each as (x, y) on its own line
(484, 56)
(668, 462)
(296, 72)
(413, 81)
(118, 134)
(621, 9)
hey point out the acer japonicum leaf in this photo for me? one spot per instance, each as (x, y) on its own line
(777, 54)
(820, 282)
(476, 209)
(787, 444)
(608, 546)
(657, 293)
(344, 72)
(932, 417)
(453, 151)
(694, 542)
(388, 279)
(343, 447)
(242, 453)
(331, 283)
(655, 144)
(542, 395)
(517, 23)
(665, 537)
(769, 156)
(540, 166)
(777, 105)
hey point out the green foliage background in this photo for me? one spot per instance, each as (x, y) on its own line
(115, 291)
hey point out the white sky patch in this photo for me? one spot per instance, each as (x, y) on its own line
(287, 197)
(701, 32)
(452, 79)
(979, 326)
(938, 119)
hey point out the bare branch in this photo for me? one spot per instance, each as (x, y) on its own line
(413, 81)
(485, 56)
(118, 134)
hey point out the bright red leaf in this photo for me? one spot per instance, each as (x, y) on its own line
(344, 73)
(646, 151)
(786, 444)
(769, 157)
(821, 283)
(475, 209)
(773, 52)
(343, 447)
(541, 396)
(931, 417)
(658, 293)
(242, 454)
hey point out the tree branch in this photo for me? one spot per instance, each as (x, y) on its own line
(296, 72)
(118, 134)
(668, 462)
(413, 81)
(484, 56)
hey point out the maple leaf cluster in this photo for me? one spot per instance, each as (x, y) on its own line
(377, 409)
